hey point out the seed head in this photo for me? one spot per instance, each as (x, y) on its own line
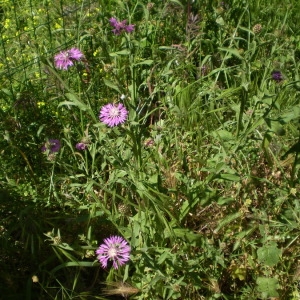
(257, 28)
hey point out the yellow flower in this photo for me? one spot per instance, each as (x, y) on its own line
(41, 104)
(7, 23)
(57, 25)
(4, 107)
(248, 202)
(96, 52)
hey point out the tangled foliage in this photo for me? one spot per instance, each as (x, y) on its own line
(150, 150)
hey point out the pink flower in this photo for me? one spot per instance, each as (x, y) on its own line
(277, 76)
(52, 146)
(113, 22)
(113, 114)
(114, 249)
(81, 146)
(129, 28)
(120, 26)
(65, 59)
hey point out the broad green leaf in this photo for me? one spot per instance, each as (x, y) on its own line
(239, 271)
(290, 115)
(269, 254)
(153, 179)
(267, 287)
(275, 126)
(220, 21)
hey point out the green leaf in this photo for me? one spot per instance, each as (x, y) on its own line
(239, 272)
(147, 62)
(74, 264)
(290, 115)
(232, 51)
(184, 210)
(230, 177)
(242, 236)
(163, 257)
(153, 179)
(267, 287)
(111, 85)
(40, 129)
(220, 21)
(6, 91)
(269, 254)
(228, 220)
(275, 126)
(223, 134)
(73, 101)
(177, 2)
(188, 235)
(225, 200)
(122, 52)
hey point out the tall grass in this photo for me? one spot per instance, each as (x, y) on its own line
(202, 179)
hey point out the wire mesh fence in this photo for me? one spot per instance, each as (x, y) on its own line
(32, 32)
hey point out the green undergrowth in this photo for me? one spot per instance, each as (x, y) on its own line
(202, 179)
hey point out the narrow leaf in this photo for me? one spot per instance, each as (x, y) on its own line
(111, 85)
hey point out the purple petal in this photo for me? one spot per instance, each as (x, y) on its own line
(129, 28)
(113, 22)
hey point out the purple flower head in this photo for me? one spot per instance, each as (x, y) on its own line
(113, 114)
(277, 76)
(65, 59)
(121, 26)
(52, 146)
(149, 142)
(114, 249)
(129, 28)
(81, 146)
(113, 22)
(75, 54)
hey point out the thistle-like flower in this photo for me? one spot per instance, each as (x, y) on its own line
(113, 114)
(65, 59)
(120, 26)
(52, 146)
(114, 249)
(277, 76)
(81, 146)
